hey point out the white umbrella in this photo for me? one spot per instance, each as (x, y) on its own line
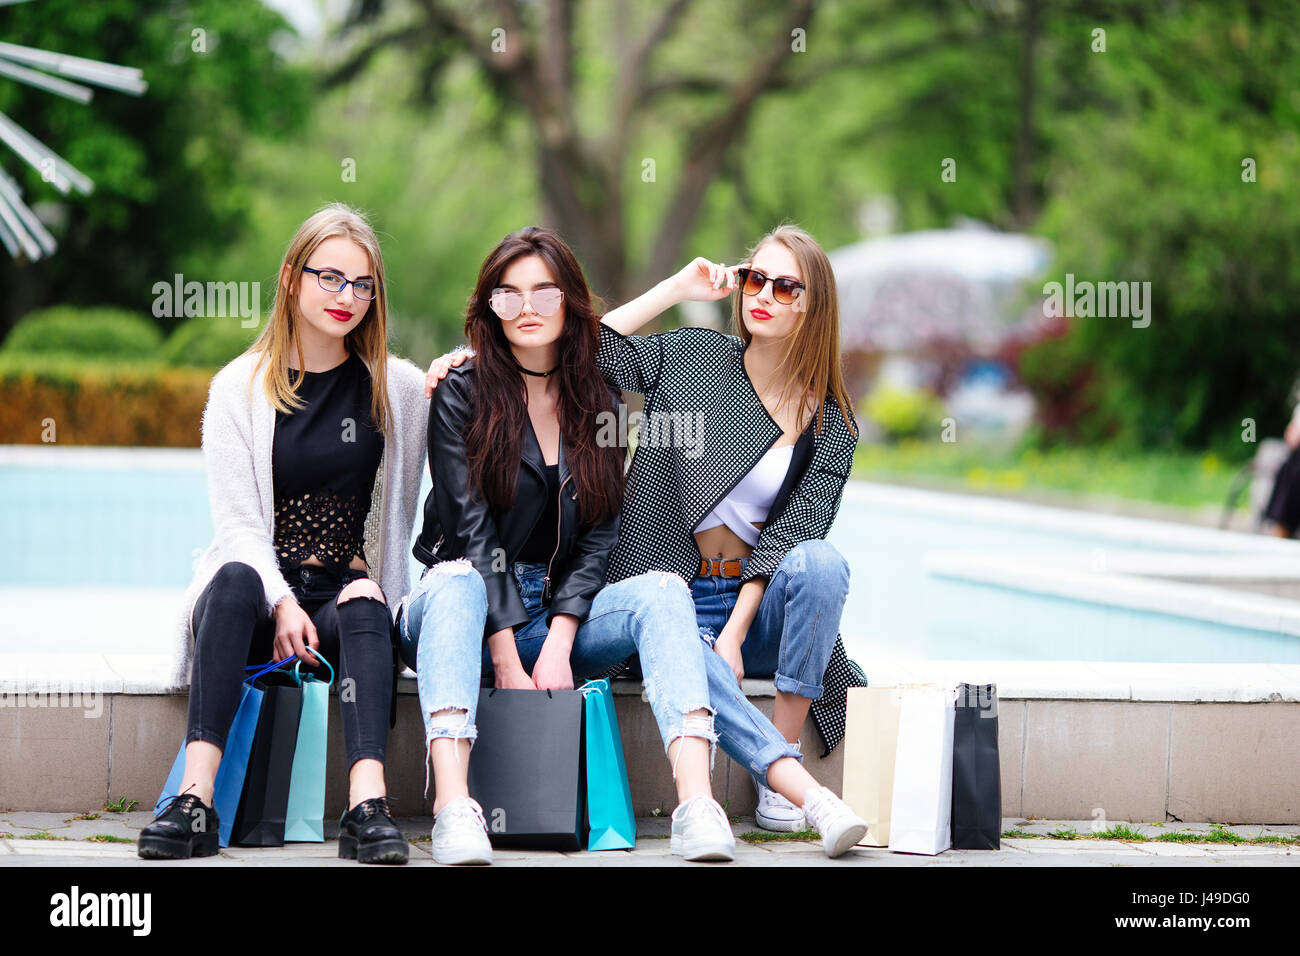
(903, 292)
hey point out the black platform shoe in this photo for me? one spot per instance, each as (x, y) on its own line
(368, 834)
(188, 827)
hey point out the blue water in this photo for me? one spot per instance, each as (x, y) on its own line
(143, 527)
(896, 605)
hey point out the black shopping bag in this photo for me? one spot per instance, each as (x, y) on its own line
(976, 774)
(262, 805)
(527, 769)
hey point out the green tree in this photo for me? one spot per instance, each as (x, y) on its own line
(170, 187)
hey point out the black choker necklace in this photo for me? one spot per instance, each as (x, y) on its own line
(528, 371)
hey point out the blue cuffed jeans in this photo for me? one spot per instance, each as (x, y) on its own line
(442, 638)
(790, 639)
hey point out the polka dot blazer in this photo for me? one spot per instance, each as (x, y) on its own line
(703, 429)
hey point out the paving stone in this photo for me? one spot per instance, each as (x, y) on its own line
(652, 849)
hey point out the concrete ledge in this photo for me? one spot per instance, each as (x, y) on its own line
(1061, 758)
(1123, 741)
(67, 758)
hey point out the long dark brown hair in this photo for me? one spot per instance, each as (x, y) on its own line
(498, 410)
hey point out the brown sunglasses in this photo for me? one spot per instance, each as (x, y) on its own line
(784, 290)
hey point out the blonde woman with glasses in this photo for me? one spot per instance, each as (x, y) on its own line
(314, 441)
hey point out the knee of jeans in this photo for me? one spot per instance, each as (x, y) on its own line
(362, 588)
(238, 576)
(455, 580)
(819, 560)
(457, 567)
(655, 586)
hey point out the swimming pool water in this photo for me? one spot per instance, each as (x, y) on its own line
(143, 526)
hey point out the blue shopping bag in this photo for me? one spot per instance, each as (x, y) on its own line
(234, 758)
(609, 798)
(304, 818)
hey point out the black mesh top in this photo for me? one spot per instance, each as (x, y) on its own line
(323, 461)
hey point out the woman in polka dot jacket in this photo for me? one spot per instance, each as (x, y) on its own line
(737, 477)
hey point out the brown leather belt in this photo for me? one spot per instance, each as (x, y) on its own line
(716, 567)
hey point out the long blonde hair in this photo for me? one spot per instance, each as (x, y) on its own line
(811, 361)
(369, 339)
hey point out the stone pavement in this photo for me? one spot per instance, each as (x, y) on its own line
(74, 847)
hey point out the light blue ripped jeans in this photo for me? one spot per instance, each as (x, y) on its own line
(651, 615)
(790, 639)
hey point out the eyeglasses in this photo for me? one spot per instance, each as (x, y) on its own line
(331, 281)
(508, 304)
(784, 290)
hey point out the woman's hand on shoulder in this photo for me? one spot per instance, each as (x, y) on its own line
(443, 364)
(704, 281)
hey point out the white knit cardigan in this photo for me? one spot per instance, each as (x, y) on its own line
(238, 431)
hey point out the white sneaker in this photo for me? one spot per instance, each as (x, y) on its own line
(839, 826)
(776, 813)
(701, 831)
(460, 834)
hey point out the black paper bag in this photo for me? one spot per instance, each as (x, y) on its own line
(527, 770)
(262, 806)
(976, 773)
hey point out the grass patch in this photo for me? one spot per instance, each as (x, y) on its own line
(1219, 834)
(1184, 479)
(40, 835)
(422, 838)
(1064, 833)
(763, 836)
(1179, 838)
(1283, 840)
(121, 805)
(83, 816)
(6, 836)
(1017, 834)
(1121, 831)
(108, 838)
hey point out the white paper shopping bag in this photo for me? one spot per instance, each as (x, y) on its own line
(921, 809)
(870, 739)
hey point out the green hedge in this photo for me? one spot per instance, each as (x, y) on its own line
(62, 397)
(206, 342)
(101, 332)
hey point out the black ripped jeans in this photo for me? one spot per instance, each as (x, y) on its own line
(232, 629)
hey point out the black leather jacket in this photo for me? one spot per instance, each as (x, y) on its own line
(456, 526)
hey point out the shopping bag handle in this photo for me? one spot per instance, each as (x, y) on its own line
(264, 669)
(298, 677)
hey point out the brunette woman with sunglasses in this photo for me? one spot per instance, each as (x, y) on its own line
(517, 533)
(740, 504)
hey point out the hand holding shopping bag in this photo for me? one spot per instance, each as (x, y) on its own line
(234, 758)
(260, 819)
(304, 816)
(528, 768)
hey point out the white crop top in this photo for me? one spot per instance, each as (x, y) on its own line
(752, 499)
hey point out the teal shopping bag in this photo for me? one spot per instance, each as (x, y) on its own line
(229, 784)
(609, 799)
(304, 819)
